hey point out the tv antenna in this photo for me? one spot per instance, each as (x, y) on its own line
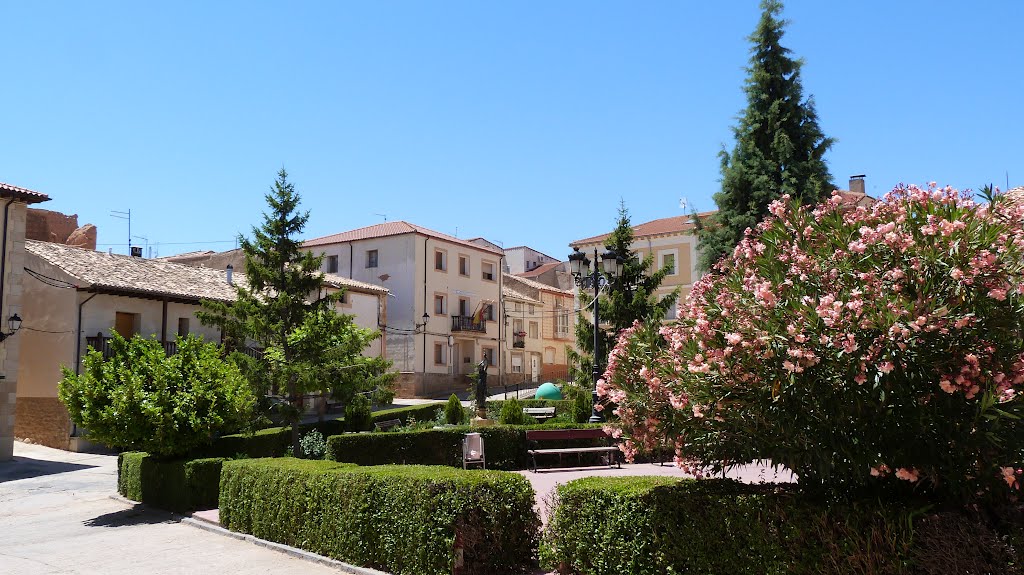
(125, 216)
(385, 216)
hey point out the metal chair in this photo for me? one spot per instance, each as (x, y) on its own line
(473, 450)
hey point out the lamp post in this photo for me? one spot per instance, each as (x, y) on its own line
(14, 324)
(611, 262)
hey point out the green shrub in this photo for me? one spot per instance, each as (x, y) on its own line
(143, 399)
(313, 445)
(656, 525)
(405, 520)
(270, 442)
(177, 485)
(505, 446)
(453, 413)
(581, 401)
(512, 413)
(561, 406)
(357, 414)
(422, 412)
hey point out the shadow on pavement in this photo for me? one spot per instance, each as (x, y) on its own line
(26, 467)
(136, 515)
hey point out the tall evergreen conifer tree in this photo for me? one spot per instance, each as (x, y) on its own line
(779, 149)
(630, 296)
(282, 306)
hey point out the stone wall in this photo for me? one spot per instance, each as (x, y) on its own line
(410, 384)
(50, 226)
(42, 420)
(9, 348)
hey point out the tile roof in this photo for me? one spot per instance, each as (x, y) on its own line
(536, 285)
(510, 291)
(136, 275)
(663, 226)
(387, 229)
(541, 269)
(334, 280)
(29, 196)
(527, 248)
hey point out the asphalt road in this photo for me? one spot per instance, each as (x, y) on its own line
(57, 516)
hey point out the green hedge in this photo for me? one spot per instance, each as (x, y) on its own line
(504, 446)
(177, 485)
(404, 520)
(653, 525)
(423, 412)
(562, 406)
(270, 442)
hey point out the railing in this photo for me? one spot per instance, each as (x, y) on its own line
(518, 341)
(466, 323)
(102, 344)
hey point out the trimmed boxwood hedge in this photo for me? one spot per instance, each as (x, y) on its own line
(656, 525)
(401, 519)
(176, 485)
(276, 441)
(504, 446)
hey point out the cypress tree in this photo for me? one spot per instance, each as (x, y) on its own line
(779, 146)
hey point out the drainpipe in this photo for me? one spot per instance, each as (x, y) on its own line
(350, 260)
(78, 353)
(3, 252)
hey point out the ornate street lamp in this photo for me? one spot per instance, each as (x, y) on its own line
(14, 324)
(582, 274)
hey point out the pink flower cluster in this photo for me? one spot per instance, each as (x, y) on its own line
(908, 299)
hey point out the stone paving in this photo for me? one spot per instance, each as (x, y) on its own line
(58, 518)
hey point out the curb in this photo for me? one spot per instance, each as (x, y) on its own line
(279, 547)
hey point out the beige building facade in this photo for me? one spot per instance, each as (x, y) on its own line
(76, 298)
(444, 308)
(12, 263)
(541, 328)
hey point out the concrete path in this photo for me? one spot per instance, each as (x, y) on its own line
(56, 516)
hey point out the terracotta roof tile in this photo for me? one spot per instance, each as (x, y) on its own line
(536, 285)
(541, 269)
(138, 275)
(387, 229)
(29, 196)
(663, 226)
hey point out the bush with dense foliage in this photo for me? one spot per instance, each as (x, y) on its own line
(404, 520)
(357, 414)
(313, 445)
(453, 412)
(505, 446)
(270, 442)
(512, 413)
(180, 485)
(657, 525)
(143, 399)
(856, 346)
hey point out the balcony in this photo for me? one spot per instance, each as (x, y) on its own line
(102, 344)
(519, 339)
(466, 323)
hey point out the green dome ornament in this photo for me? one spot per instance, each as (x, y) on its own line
(548, 391)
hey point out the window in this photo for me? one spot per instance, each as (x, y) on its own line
(489, 312)
(492, 359)
(182, 326)
(440, 354)
(126, 324)
(562, 325)
(463, 266)
(517, 306)
(549, 355)
(487, 271)
(371, 258)
(441, 260)
(517, 363)
(533, 330)
(463, 306)
(533, 308)
(332, 264)
(517, 327)
(669, 261)
(440, 305)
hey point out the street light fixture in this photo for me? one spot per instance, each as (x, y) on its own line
(610, 267)
(14, 324)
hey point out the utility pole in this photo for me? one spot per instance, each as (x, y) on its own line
(125, 216)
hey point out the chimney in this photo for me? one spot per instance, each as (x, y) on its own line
(136, 252)
(857, 184)
(230, 270)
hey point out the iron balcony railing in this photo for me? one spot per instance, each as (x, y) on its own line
(518, 341)
(466, 323)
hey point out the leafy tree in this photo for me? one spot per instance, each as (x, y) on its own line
(281, 305)
(453, 412)
(627, 298)
(143, 399)
(779, 148)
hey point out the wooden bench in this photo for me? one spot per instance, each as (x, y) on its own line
(540, 413)
(535, 436)
(386, 425)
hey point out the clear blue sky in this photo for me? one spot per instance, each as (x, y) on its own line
(524, 122)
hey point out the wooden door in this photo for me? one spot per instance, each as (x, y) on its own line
(124, 324)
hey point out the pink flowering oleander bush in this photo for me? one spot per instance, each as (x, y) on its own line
(856, 346)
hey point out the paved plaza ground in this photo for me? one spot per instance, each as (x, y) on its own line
(59, 517)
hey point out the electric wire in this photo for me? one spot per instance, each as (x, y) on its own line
(52, 282)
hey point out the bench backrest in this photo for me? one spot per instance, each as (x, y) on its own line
(539, 410)
(552, 434)
(388, 423)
